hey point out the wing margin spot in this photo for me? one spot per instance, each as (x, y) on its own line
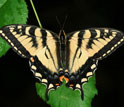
(89, 74)
(84, 80)
(38, 75)
(44, 81)
(33, 67)
(93, 66)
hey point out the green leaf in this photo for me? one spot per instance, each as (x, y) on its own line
(12, 12)
(2, 2)
(66, 97)
(3, 47)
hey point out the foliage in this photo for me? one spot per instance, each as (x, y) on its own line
(15, 12)
(11, 12)
(66, 97)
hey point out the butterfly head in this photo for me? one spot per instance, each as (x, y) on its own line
(62, 34)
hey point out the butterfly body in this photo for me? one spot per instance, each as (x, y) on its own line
(71, 57)
(62, 37)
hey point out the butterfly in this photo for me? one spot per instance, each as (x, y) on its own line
(71, 57)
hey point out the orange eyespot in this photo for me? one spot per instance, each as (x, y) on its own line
(66, 79)
(32, 59)
(57, 84)
(71, 85)
(61, 79)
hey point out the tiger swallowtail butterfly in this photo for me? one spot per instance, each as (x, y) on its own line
(72, 57)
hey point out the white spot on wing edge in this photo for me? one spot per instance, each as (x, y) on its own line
(3, 34)
(19, 52)
(44, 80)
(38, 75)
(93, 66)
(89, 74)
(12, 44)
(78, 86)
(108, 51)
(1, 31)
(119, 42)
(50, 86)
(9, 40)
(15, 48)
(84, 80)
(122, 39)
(19, 27)
(33, 67)
(6, 37)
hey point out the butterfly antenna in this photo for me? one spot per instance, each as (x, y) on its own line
(58, 22)
(35, 12)
(64, 22)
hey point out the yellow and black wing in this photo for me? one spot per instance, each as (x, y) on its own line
(84, 49)
(26, 40)
(37, 44)
(73, 58)
(93, 44)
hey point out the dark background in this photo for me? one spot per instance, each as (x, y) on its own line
(17, 83)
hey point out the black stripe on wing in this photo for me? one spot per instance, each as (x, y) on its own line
(32, 32)
(117, 41)
(44, 34)
(26, 39)
(98, 42)
(93, 35)
(12, 40)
